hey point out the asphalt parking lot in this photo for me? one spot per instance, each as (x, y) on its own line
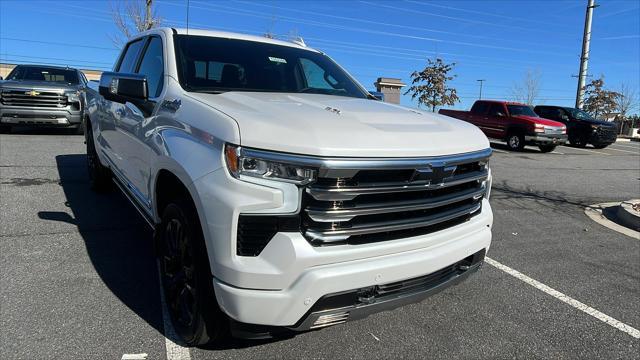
(78, 279)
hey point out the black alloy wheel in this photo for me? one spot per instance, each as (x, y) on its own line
(186, 277)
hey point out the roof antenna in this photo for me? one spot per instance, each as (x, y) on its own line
(187, 17)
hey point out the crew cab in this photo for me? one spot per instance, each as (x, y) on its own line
(42, 96)
(283, 197)
(582, 128)
(515, 123)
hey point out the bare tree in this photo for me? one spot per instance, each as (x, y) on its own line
(627, 100)
(528, 91)
(599, 101)
(132, 17)
(430, 85)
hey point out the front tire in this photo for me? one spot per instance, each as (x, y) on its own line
(578, 141)
(99, 175)
(515, 141)
(547, 148)
(186, 277)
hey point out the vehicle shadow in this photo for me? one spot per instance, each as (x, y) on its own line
(23, 130)
(504, 147)
(117, 240)
(119, 244)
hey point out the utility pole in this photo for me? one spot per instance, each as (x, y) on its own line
(584, 58)
(481, 81)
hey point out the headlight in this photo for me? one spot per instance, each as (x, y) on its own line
(73, 97)
(488, 182)
(539, 128)
(240, 164)
(595, 127)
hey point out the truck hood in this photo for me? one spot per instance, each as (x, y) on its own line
(326, 125)
(539, 120)
(32, 84)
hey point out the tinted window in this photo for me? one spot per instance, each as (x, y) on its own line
(213, 65)
(128, 62)
(479, 107)
(525, 110)
(152, 66)
(579, 114)
(43, 73)
(495, 109)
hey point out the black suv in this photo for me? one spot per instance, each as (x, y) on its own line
(582, 128)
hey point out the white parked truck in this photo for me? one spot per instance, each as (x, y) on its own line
(284, 197)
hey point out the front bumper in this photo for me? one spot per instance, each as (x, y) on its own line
(282, 284)
(546, 139)
(289, 307)
(40, 116)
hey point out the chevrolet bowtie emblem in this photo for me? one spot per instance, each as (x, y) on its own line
(433, 174)
(32, 93)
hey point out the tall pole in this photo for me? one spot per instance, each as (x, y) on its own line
(584, 58)
(481, 81)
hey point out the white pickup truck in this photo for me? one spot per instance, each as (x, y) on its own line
(283, 196)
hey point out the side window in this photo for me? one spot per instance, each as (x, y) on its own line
(152, 66)
(495, 109)
(314, 75)
(479, 108)
(128, 61)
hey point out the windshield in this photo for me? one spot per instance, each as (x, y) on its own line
(207, 64)
(579, 114)
(524, 110)
(41, 73)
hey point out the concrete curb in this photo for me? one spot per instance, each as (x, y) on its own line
(627, 139)
(627, 216)
(596, 213)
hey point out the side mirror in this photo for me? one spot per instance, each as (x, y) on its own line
(123, 88)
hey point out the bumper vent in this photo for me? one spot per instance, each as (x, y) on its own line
(255, 232)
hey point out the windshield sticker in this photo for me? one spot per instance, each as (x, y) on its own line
(278, 60)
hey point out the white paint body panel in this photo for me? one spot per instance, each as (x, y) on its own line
(188, 142)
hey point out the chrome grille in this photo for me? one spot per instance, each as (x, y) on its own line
(390, 199)
(27, 98)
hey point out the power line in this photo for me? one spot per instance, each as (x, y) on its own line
(52, 58)
(234, 11)
(381, 23)
(59, 43)
(395, 7)
(85, 67)
(483, 13)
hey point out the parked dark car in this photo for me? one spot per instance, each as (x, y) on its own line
(582, 128)
(42, 96)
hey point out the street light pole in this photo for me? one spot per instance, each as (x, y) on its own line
(584, 58)
(481, 81)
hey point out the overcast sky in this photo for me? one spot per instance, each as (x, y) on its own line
(493, 40)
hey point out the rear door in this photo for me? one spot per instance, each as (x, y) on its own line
(496, 121)
(477, 114)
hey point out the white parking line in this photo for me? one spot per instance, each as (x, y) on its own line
(142, 356)
(174, 351)
(637, 152)
(566, 299)
(557, 152)
(626, 146)
(587, 150)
